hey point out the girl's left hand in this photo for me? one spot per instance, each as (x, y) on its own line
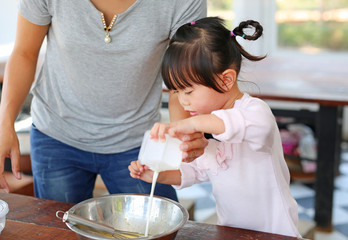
(139, 171)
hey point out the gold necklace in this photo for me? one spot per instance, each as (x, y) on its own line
(107, 38)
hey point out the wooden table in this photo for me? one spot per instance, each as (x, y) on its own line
(33, 218)
(309, 79)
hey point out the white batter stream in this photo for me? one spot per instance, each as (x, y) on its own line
(154, 180)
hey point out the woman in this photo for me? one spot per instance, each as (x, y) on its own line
(99, 89)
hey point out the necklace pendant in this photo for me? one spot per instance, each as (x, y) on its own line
(107, 38)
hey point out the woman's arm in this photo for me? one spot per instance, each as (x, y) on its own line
(18, 78)
(176, 111)
(21, 66)
(193, 144)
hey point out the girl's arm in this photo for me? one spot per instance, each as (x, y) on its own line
(208, 123)
(171, 177)
(142, 172)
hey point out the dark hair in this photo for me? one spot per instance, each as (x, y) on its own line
(201, 50)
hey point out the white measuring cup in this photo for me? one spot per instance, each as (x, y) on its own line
(160, 156)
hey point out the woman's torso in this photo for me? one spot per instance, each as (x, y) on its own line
(95, 96)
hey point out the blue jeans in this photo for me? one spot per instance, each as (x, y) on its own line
(64, 173)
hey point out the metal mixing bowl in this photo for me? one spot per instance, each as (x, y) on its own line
(128, 212)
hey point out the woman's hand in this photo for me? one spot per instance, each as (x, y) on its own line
(9, 148)
(192, 146)
(140, 171)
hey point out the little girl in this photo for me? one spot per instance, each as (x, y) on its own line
(244, 162)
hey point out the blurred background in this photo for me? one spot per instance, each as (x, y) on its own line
(313, 31)
(310, 26)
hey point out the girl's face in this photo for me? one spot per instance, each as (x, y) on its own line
(200, 99)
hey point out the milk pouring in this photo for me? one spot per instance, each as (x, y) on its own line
(160, 156)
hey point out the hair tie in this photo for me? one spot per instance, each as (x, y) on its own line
(193, 23)
(234, 35)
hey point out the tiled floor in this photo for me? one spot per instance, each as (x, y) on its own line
(304, 194)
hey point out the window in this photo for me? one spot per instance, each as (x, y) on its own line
(223, 9)
(312, 25)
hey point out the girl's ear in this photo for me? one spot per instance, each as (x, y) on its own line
(229, 78)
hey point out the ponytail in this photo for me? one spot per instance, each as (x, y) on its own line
(238, 31)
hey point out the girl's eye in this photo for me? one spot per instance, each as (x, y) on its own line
(188, 92)
(175, 91)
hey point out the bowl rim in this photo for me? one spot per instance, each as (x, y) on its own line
(179, 226)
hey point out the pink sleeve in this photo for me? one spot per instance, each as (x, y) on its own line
(253, 123)
(190, 175)
(235, 125)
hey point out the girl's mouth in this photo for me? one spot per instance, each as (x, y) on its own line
(193, 113)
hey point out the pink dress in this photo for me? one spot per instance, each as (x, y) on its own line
(249, 176)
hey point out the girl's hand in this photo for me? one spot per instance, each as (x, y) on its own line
(140, 171)
(177, 129)
(159, 130)
(193, 142)
(182, 128)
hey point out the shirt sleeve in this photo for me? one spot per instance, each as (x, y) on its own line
(188, 11)
(191, 175)
(254, 124)
(35, 11)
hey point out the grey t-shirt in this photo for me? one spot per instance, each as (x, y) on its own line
(102, 97)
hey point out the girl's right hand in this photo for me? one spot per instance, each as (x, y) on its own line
(177, 129)
(140, 171)
(159, 130)
(193, 142)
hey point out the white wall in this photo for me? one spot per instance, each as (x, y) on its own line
(8, 19)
